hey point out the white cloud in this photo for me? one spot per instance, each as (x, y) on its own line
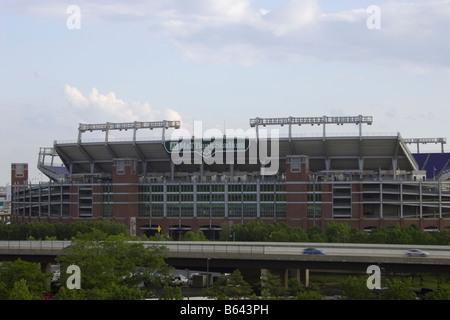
(75, 97)
(241, 32)
(107, 107)
(412, 33)
(292, 16)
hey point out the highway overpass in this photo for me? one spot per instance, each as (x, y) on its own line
(227, 256)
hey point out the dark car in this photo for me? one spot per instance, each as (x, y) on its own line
(313, 251)
(416, 252)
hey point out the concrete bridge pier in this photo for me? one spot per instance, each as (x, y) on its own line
(46, 267)
(302, 275)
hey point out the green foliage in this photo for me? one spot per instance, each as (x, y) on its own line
(194, 236)
(157, 237)
(171, 293)
(335, 232)
(441, 294)
(398, 289)
(218, 290)
(343, 233)
(308, 295)
(273, 286)
(251, 231)
(338, 232)
(68, 294)
(114, 268)
(355, 288)
(261, 231)
(295, 286)
(22, 278)
(316, 234)
(229, 287)
(57, 231)
(20, 291)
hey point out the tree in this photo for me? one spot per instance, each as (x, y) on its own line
(308, 295)
(398, 290)
(194, 236)
(399, 235)
(113, 268)
(355, 288)
(12, 272)
(343, 233)
(157, 237)
(441, 294)
(238, 287)
(273, 287)
(316, 234)
(171, 293)
(218, 290)
(379, 235)
(229, 287)
(295, 287)
(20, 291)
(59, 231)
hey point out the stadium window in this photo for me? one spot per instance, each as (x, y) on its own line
(120, 166)
(203, 188)
(187, 188)
(157, 210)
(249, 188)
(249, 197)
(157, 198)
(157, 188)
(295, 165)
(249, 210)
(20, 169)
(133, 167)
(234, 197)
(267, 210)
(203, 209)
(267, 197)
(266, 188)
(173, 188)
(219, 197)
(202, 197)
(217, 188)
(187, 197)
(218, 210)
(281, 210)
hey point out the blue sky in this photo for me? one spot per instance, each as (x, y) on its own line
(219, 62)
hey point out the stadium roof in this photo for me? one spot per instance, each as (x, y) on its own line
(325, 153)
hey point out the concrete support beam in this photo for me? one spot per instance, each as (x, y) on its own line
(300, 275)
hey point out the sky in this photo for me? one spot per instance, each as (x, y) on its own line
(219, 62)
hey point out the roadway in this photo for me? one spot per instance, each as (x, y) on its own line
(226, 256)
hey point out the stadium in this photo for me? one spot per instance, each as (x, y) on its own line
(161, 185)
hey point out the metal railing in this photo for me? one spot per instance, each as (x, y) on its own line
(34, 245)
(244, 248)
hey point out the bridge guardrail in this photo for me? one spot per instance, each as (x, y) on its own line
(34, 244)
(266, 248)
(210, 247)
(292, 248)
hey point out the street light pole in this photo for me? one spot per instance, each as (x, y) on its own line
(207, 272)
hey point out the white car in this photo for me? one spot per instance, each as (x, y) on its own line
(416, 252)
(179, 280)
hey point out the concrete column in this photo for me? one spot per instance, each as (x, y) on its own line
(46, 267)
(286, 278)
(300, 275)
(306, 277)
